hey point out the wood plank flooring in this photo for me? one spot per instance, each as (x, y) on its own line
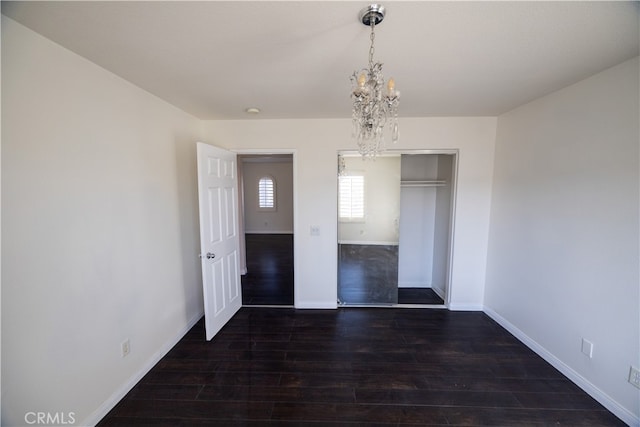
(355, 367)
(418, 296)
(269, 278)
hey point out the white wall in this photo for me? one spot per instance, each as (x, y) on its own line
(99, 229)
(563, 248)
(280, 220)
(382, 202)
(415, 253)
(316, 143)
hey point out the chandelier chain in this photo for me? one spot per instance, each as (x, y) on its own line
(372, 37)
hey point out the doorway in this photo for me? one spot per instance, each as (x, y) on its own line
(266, 187)
(397, 249)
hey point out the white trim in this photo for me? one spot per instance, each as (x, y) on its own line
(464, 307)
(393, 152)
(315, 305)
(121, 392)
(429, 306)
(605, 400)
(297, 256)
(364, 242)
(455, 152)
(263, 151)
(452, 227)
(265, 158)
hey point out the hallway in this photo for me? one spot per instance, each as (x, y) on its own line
(269, 278)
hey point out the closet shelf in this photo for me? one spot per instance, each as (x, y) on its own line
(429, 183)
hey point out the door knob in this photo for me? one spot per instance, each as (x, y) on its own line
(210, 255)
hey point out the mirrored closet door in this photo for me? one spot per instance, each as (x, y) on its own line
(394, 228)
(368, 229)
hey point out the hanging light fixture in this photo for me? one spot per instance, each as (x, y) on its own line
(374, 103)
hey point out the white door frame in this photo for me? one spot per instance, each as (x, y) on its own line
(454, 197)
(296, 246)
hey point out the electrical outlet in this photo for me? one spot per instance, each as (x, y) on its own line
(634, 376)
(314, 230)
(126, 348)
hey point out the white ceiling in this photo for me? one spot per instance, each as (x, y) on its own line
(293, 59)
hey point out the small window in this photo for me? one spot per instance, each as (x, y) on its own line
(351, 198)
(266, 194)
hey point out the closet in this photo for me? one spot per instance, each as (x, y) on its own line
(425, 221)
(398, 251)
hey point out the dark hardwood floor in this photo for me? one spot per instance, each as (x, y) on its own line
(269, 278)
(418, 296)
(355, 367)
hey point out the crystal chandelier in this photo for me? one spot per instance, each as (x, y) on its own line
(374, 103)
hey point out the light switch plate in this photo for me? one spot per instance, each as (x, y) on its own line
(587, 348)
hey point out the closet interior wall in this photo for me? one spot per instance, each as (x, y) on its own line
(425, 219)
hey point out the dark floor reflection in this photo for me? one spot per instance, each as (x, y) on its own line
(368, 274)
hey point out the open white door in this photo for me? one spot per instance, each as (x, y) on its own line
(219, 240)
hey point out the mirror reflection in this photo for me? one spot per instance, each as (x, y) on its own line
(394, 228)
(368, 229)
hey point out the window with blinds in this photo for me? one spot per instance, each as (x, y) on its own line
(351, 198)
(266, 193)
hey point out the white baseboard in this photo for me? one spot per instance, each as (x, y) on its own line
(465, 307)
(117, 396)
(604, 399)
(315, 305)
